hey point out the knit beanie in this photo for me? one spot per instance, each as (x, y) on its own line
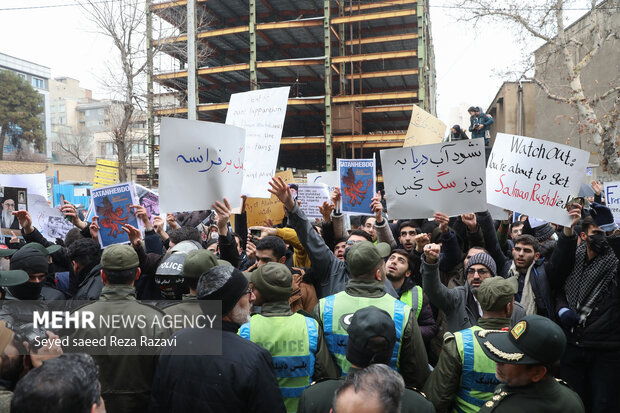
(222, 283)
(484, 259)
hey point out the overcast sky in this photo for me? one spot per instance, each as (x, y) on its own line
(468, 61)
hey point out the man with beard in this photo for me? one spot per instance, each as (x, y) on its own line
(398, 270)
(8, 219)
(460, 304)
(589, 303)
(238, 379)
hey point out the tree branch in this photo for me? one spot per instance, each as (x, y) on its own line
(550, 95)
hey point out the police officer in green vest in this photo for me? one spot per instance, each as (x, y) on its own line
(296, 342)
(525, 357)
(464, 378)
(365, 288)
(372, 337)
(196, 263)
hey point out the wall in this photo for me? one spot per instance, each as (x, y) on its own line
(76, 173)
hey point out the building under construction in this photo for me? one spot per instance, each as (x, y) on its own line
(355, 68)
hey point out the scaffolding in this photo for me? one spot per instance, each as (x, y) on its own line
(355, 68)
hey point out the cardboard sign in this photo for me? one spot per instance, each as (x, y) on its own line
(260, 210)
(261, 114)
(199, 163)
(424, 128)
(311, 197)
(357, 181)
(112, 205)
(445, 177)
(535, 177)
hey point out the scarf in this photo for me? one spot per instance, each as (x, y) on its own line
(527, 296)
(586, 284)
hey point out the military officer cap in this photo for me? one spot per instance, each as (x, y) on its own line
(364, 256)
(372, 336)
(495, 292)
(198, 262)
(273, 281)
(533, 340)
(119, 257)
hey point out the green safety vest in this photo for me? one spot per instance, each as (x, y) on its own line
(337, 306)
(292, 341)
(414, 296)
(478, 379)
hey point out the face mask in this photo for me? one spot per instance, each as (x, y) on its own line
(27, 291)
(597, 243)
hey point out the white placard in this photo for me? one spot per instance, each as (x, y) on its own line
(328, 178)
(612, 197)
(534, 177)
(261, 113)
(444, 177)
(199, 163)
(311, 197)
(497, 213)
(40, 211)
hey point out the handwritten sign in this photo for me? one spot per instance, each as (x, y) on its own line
(199, 163)
(443, 177)
(259, 210)
(424, 128)
(612, 197)
(358, 185)
(261, 113)
(311, 197)
(534, 177)
(328, 178)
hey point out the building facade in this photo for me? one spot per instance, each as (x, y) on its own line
(355, 68)
(513, 110)
(38, 76)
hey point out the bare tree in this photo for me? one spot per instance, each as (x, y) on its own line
(546, 20)
(76, 144)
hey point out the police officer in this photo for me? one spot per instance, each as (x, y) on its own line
(524, 358)
(196, 263)
(464, 376)
(365, 288)
(296, 342)
(125, 379)
(371, 340)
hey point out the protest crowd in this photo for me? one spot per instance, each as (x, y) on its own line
(343, 313)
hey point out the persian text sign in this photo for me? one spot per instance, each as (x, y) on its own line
(424, 128)
(199, 163)
(612, 197)
(261, 113)
(442, 177)
(534, 177)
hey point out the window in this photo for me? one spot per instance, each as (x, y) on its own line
(62, 108)
(52, 109)
(38, 83)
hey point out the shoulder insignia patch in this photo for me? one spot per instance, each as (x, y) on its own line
(448, 336)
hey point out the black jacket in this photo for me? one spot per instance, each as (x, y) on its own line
(90, 287)
(241, 379)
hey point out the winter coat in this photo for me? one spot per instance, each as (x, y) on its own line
(241, 379)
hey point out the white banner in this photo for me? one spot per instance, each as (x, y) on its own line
(442, 177)
(261, 113)
(497, 213)
(311, 197)
(534, 177)
(199, 163)
(612, 197)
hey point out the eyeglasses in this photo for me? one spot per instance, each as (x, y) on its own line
(480, 271)
(249, 291)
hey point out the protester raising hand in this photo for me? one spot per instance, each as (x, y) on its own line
(134, 234)
(326, 211)
(25, 220)
(94, 228)
(282, 191)
(158, 225)
(377, 207)
(470, 221)
(443, 221)
(70, 211)
(575, 215)
(172, 221)
(421, 240)
(223, 211)
(431, 253)
(140, 213)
